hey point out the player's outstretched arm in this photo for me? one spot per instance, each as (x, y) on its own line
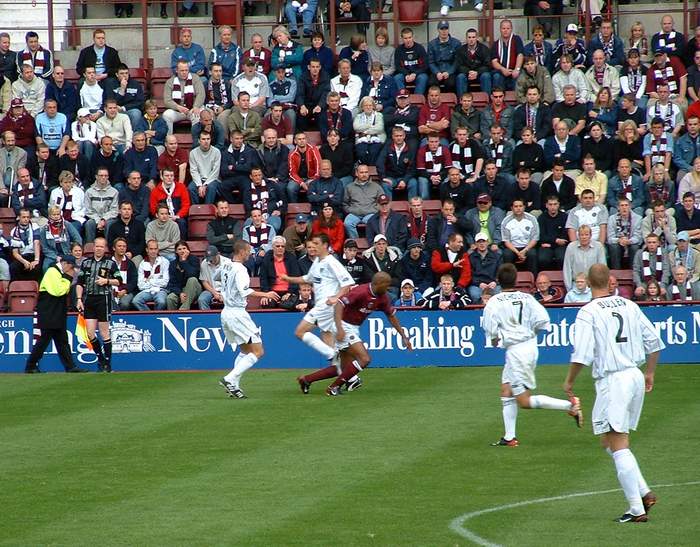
(292, 279)
(398, 328)
(272, 295)
(652, 361)
(568, 386)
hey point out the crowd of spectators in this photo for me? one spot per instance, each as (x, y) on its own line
(583, 153)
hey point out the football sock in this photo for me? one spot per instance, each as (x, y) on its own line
(627, 475)
(315, 343)
(242, 364)
(97, 348)
(510, 416)
(107, 345)
(641, 483)
(322, 374)
(549, 403)
(230, 377)
(350, 370)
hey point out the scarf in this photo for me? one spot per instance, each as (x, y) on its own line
(626, 188)
(169, 199)
(462, 158)
(123, 267)
(26, 193)
(65, 202)
(608, 46)
(539, 53)
(666, 76)
(22, 237)
(624, 229)
(258, 236)
(223, 94)
(599, 75)
(659, 193)
(530, 116)
(149, 269)
(507, 60)
(659, 148)
(418, 227)
(284, 51)
(497, 153)
(337, 116)
(39, 60)
(259, 196)
(642, 44)
(667, 116)
(676, 293)
(634, 78)
(259, 58)
(668, 41)
(688, 261)
(183, 94)
(433, 161)
(658, 267)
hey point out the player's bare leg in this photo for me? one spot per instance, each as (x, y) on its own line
(353, 359)
(639, 496)
(248, 355)
(92, 326)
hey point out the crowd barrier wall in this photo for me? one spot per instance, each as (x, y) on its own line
(195, 341)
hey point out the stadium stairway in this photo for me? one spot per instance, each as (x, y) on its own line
(18, 16)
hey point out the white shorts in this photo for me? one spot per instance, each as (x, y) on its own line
(239, 328)
(323, 316)
(352, 336)
(519, 370)
(619, 400)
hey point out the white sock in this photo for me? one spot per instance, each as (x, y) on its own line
(643, 486)
(242, 364)
(315, 343)
(549, 403)
(353, 378)
(510, 415)
(628, 476)
(230, 376)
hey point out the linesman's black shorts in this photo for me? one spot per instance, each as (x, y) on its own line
(98, 306)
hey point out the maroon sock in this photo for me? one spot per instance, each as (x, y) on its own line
(349, 370)
(322, 374)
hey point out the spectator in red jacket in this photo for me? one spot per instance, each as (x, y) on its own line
(175, 195)
(302, 173)
(21, 123)
(329, 223)
(454, 260)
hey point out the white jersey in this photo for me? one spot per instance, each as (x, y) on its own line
(328, 276)
(235, 283)
(514, 317)
(612, 334)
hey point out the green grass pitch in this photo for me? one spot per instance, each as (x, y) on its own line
(168, 459)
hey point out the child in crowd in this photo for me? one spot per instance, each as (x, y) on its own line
(84, 132)
(581, 292)
(409, 295)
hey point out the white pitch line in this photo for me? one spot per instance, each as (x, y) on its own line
(457, 525)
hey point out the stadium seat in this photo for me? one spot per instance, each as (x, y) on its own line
(22, 296)
(206, 211)
(140, 76)
(432, 207)
(413, 12)
(254, 303)
(295, 208)
(198, 248)
(237, 211)
(255, 283)
(72, 76)
(418, 100)
(161, 74)
(449, 99)
(400, 206)
(197, 228)
(480, 99)
(88, 250)
(7, 215)
(511, 99)
(362, 244)
(556, 277)
(314, 138)
(625, 281)
(525, 282)
(373, 174)
(184, 139)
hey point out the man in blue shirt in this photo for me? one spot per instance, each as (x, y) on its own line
(190, 52)
(227, 54)
(52, 128)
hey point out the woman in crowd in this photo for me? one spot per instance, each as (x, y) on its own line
(328, 223)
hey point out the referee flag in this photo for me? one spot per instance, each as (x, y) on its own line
(81, 331)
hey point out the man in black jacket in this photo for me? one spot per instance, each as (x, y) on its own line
(534, 114)
(354, 262)
(237, 161)
(390, 224)
(473, 61)
(561, 185)
(223, 230)
(312, 89)
(104, 58)
(459, 191)
(184, 286)
(269, 280)
(52, 313)
(396, 164)
(127, 92)
(274, 159)
(415, 265)
(404, 115)
(441, 226)
(326, 189)
(131, 229)
(553, 236)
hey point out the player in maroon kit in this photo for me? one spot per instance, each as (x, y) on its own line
(350, 312)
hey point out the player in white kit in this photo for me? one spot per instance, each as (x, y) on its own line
(331, 281)
(236, 323)
(514, 318)
(614, 338)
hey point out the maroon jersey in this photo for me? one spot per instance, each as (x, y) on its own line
(361, 301)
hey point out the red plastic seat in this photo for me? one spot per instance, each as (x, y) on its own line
(449, 99)
(293, 209)
(198, 248)
(432, 206)
(22, 296)
(418, 100)
(236, 210)
(525, 282)
(480, 99)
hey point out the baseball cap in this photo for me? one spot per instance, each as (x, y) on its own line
(683, 236)
(572, 27)
(68, 259)
(381, 200)
(443, 24)
(300, 218)
(659, 51)
(16, 102)
(350, 244)
(408, 281)
(481, 236)
(212, 251)
(414, 242)
(403, 93)
(82, 112)
(379, 237)
(483, 197)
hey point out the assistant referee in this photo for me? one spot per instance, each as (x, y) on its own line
(96, 278)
